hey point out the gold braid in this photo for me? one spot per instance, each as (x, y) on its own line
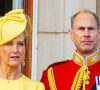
(82, 77)
(51, 79)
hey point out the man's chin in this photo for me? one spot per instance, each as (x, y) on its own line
(88, 51)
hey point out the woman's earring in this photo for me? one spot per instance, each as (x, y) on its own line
(23, 63)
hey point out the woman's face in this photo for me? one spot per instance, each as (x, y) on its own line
(13, 52)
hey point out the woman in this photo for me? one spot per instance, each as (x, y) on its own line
(12, 53)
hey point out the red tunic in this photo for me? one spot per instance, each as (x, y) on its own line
(64, 75)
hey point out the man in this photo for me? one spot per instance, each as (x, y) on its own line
(79, 73)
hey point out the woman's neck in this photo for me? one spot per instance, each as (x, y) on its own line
(10, 73)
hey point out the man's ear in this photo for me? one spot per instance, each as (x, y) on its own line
(99, 33)
(70, 31)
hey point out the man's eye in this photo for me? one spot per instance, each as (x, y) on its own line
(81, 28)
(91, 28)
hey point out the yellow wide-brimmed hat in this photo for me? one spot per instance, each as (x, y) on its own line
(12, 25)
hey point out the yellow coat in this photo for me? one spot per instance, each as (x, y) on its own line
(22, 83)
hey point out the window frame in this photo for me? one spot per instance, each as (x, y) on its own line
(28, 10)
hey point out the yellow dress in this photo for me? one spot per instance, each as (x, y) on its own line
(22, 83)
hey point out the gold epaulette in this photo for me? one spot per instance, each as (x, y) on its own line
(50, 74)
(57, 63)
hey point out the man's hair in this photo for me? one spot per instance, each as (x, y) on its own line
(85, 11)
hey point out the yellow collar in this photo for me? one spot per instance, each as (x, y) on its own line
(89, 60)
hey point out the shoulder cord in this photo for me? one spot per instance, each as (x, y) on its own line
(51, 79)
(82, 77)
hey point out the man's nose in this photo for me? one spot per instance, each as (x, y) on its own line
(86, 32)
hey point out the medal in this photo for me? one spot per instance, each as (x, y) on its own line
(98, 82)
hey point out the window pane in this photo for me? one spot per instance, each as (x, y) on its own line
(17, 4)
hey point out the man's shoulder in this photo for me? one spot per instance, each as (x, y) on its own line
(58, 63)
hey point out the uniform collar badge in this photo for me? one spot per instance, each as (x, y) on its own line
(89, 60)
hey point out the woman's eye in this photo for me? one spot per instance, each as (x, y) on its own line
(9, 43)
(21, 44)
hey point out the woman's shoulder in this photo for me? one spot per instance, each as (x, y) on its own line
(27, 81)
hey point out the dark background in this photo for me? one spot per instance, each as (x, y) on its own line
(5, 6)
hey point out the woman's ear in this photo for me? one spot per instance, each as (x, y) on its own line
(70, 31)
(0, 50)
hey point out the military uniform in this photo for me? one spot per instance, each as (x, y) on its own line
(60, 75)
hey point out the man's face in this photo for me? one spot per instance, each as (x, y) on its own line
(85, 34)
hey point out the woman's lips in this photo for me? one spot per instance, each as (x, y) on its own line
(14, 57)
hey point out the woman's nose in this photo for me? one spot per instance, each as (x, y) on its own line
(15, 48)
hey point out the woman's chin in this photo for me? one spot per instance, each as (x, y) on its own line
(14, 64)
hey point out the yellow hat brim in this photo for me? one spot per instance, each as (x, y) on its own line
(10, 29)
